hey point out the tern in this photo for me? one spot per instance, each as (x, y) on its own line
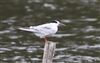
(44, 30)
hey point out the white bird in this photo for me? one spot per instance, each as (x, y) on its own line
(43, 30)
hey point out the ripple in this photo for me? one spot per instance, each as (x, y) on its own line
(95, 46)
(63, 35)
(5, 49)
(28, 8)
(61, 49)
(5, 31)
(90, 36)
(35, 59)
(61, 56)
(51, 6)
(66, 21)
(18, 47)
(14, 37)
(17, 58)
(87, 47)
(70, 58)
(10, 20)
(2, 50)
(31, 49)
(90, 19)
(90, 29)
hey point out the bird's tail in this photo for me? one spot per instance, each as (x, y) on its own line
(26, 29)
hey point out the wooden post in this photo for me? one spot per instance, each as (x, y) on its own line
(49, 50)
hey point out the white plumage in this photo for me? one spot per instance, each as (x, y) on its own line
(43, 30)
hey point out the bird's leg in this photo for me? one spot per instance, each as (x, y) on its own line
(45, 39)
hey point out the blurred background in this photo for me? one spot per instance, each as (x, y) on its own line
(77, 42)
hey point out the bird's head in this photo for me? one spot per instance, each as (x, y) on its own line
(58, 23)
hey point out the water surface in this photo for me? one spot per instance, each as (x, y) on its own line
(77, 42)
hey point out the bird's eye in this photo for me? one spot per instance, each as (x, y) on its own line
(55, 21)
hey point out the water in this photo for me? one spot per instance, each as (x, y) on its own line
(77, 42)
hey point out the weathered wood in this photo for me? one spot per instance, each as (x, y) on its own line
(49, 50)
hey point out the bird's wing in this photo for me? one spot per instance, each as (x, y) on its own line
(46, 29)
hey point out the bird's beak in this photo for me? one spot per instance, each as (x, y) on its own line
(61, 24)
